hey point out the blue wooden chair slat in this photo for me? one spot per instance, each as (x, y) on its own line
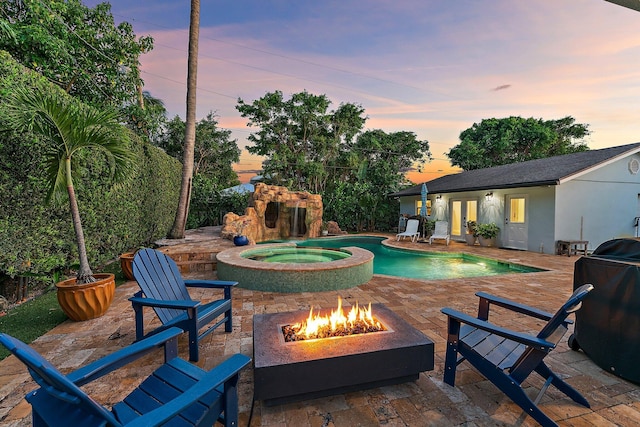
(506, 357)
(489, 345)
(176, 394)
(504, 353)
(164, 289)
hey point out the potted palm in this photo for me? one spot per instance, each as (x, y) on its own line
(72, 127)
(487, 234)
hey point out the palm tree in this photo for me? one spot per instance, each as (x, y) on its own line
(7, 32)
(180, 222)
(71, 127)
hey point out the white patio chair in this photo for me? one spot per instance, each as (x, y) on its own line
(410, 231)
(441, 232)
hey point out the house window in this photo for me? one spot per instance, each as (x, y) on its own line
(516, 213)
(419, 206)
(472, 210)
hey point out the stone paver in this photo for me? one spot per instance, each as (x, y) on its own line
(426, 402)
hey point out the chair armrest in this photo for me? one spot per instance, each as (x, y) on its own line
(514, 306)
(150, 302)
(221, 284)
(124, 356)
(210, 381)
(519, 337)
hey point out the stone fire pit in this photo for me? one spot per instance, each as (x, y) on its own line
(286, 372)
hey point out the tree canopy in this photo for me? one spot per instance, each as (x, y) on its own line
(494, 142)
(309, 147)
(77, 47)
(372, 166)
(214, 151)
(300, 137)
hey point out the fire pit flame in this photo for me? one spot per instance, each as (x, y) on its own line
(358, 321)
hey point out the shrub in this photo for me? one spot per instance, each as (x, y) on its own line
(37, 238)
(487, 231)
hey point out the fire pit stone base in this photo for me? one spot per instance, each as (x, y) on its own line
(286, 372)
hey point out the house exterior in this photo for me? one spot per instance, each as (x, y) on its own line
(591, 196)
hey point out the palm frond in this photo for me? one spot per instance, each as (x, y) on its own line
(70, 127)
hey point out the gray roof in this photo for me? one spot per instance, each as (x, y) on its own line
(548, 171)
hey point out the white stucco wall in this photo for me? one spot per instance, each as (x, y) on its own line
(540, 212)
(408, 205)
(603, 202)
(540, 218)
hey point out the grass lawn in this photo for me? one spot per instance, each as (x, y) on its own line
(36, 317)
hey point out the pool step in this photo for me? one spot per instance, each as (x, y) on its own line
(193, 262)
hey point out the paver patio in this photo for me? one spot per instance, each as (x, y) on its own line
(427, 402)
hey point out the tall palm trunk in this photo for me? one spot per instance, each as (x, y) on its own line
(179, 224)
(85, 275)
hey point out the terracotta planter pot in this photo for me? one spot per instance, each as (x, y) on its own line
(126, 261)
(88, 301)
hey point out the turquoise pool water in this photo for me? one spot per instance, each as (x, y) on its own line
(421, 265)
(295, 254)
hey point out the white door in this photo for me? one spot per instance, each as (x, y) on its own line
(461, 212)
(515, 222)
(456, 219)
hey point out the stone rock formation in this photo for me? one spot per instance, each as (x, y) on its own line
(276, 213)
(334, 229)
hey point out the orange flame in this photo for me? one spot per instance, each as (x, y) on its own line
(337, 323)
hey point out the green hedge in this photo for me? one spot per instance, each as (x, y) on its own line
(37, 238)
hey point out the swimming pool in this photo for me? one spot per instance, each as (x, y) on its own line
(421, 265)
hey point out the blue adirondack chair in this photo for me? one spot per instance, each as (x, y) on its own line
(506, 357)
(164, 289)
(177, 393)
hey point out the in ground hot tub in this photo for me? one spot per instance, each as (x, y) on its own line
(284, 267)
(295, 254)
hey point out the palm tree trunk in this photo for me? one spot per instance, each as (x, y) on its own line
(85, 275)
(179, 224)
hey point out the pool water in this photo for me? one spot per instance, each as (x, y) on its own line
(421, 265)
(296, 255)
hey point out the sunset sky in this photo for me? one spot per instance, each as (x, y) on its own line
(431, 67)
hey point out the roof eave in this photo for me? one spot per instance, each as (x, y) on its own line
(483, 188)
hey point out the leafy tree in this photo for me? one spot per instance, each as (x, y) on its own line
(214, 154)
(211, 205)
(180, 223)
(494, 142)
(6, 32)
(300, 137)
(149, 118)
(214, 151)
(385, 157)
(308, 147)
(374, 165)
(78, 48)
(71, 129)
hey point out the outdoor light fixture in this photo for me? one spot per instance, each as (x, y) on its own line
(489, 195)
